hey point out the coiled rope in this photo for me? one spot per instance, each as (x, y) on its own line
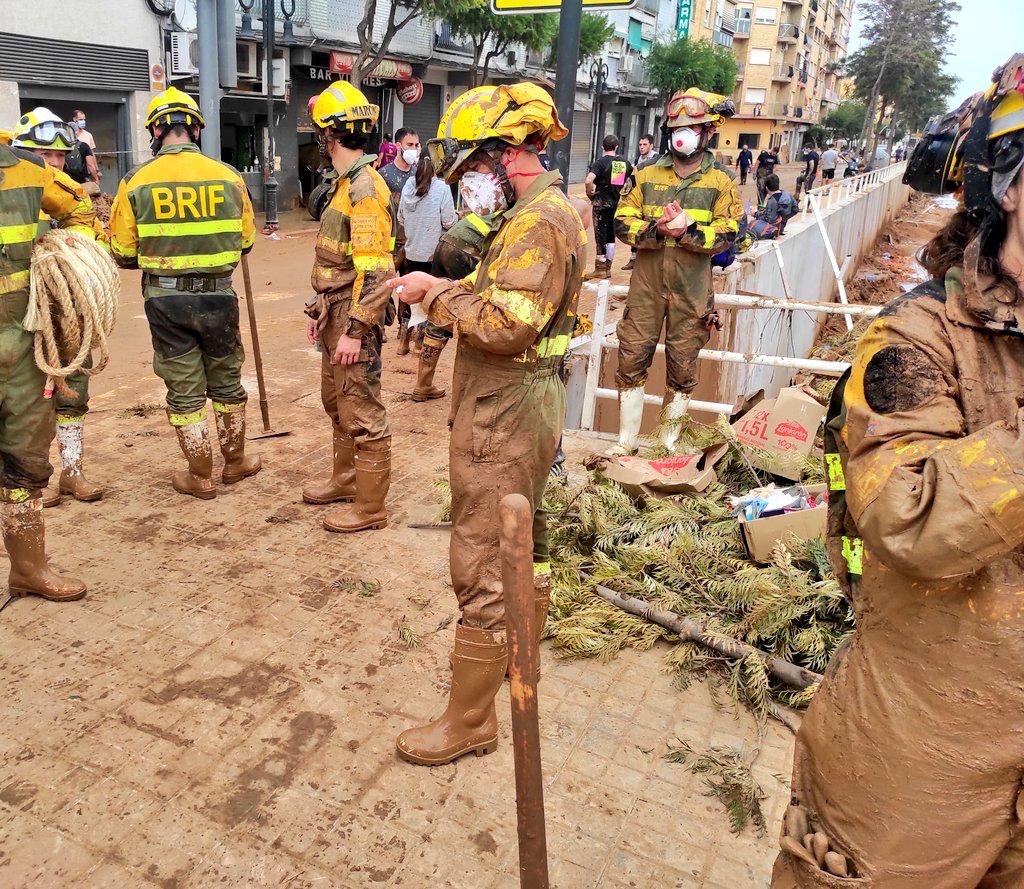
(72, 307)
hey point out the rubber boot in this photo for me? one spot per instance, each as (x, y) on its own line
(341, 486)
(429, 356)
(197, 480)
(51, 497)
(70, 436)
(599, 269)
(25, 539)
(368, 512)
(231, 435)
(607, 268)
(403, 337)
(469, 723)
(628, 267)
(631, 414)
(675, 410)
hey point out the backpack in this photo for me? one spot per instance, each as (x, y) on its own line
(788, 207)
(74, 164)
(741, 244)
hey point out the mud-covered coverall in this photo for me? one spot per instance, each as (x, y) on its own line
(185, 220)
(671, 283)
(515, 315)
(72, 408)
(353, 261)
(27, 188)
(911, 754)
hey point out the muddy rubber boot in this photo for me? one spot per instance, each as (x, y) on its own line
(197, 480)
(676, 408)
(231, 435)
(631, 415)
(425, 389)
(628, 267)
(341, 486)
(70, 436)
(608, 269)
(403, 337)
(469, 723)
(368, 512)
(599, 270)
(25, 539)
(51, 497)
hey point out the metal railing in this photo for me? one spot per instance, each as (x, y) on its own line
(841, 191)
(788, 33)
(784, 72)
(721, 38)
(742, 28)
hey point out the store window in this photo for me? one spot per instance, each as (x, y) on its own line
(751, 140)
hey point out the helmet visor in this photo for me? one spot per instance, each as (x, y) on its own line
(52, 133)
(687, 106)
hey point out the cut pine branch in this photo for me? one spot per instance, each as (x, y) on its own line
(688, 630)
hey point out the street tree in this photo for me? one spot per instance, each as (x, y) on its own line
(595, 32)
(846, 120)
(491, 35)
(683, 63)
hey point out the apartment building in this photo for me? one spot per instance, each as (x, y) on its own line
(789, 54)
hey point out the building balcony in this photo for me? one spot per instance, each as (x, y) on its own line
(793, 2)
(784, 73)
(721, 38)
(739, 72)
(788, 34)
(443, 39)
(763, 109)
(803, 77)
(742, 29)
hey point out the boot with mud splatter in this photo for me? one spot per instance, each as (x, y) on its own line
(341, 486)
(403, 337)
(231, 435)
(194, 440)
(469, 723)
(24, 537)
(373, 478)
(70, 437)
(425, 389)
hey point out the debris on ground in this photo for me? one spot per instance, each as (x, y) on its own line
(727, 778)
(140, 409)
(364, 588)
(410, 638)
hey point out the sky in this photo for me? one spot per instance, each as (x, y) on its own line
(987, 34)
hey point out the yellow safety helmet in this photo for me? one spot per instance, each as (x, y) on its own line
(41, 128)
(173, 106)
(693, 107)
(511, 114)
(5, 137)
(344, 107)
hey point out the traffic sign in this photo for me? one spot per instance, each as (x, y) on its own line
(532, 7)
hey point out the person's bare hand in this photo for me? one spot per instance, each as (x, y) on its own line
(347, 350)
(411, 288)
(312, 334)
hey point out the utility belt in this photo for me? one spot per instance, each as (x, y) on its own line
(188, 283)
(13, 307)
(472, 361)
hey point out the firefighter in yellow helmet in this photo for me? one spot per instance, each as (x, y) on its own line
(346, 317)
(185, 220)
(908, 762)
(71, 409)
(678, 212)
(29, 189)
(514, 315)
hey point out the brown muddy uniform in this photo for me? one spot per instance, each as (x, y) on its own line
(353, 260)
(671, 283)
(911, 754)
(515, 316)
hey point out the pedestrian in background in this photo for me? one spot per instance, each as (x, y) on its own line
(604, 182)
(647, 151)
(426, 210)
(766, 163)
(88, 153)
(387, 151)
(744, 160)
(396, 174)
(829, 161)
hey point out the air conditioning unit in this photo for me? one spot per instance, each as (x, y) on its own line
(184, 53)
(248, 64)
(627, 62)
(281, 75)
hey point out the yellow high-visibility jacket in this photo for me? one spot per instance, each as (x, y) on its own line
(97, 232)
(182, 213)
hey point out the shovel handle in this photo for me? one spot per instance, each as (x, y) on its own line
(250, 306)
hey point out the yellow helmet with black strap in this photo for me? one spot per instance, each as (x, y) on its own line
(173, 106)
(510, 114)
(696, 107)
(41, 128)
(343, 106)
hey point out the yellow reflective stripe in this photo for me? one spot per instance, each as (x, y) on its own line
(334, 245)
(853, 552)
(698, 215)
(392, 242)
(836, 478)
(16, 495)
(69, 420)
(198, 261)
(470, 279)
(478, 224)
(553, 346)
(367, 263)
(174, 229)
(222, 408)
(636, 227)
(730, 225)
(16, 234)
(541, 569)
(653, 211)
(14, 281)
(709, 234)
(192, 419)
(627, 212)
(125, 251)
(520, 307)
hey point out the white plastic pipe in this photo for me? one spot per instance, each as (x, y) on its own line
(594, 358)
(741, 301)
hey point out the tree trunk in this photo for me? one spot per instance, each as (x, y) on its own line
(869, 119)
(689, 630)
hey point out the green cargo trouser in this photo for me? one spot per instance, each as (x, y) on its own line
(197, 348)
(506, 420)
(26, 417)
(74, 407)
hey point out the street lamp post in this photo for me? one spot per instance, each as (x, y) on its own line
(270, 183)
(598, 79)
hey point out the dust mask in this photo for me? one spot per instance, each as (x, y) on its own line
(482, 193)
(411, 156)
(684, 142)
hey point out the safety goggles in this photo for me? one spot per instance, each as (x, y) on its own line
(687, 106)
(50, 132)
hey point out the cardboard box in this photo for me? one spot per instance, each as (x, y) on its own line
(760, 535)
(687, 473)
(785, 426)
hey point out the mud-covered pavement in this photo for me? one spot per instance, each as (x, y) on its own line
(221, 709)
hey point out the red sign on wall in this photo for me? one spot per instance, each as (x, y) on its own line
(388, 69)
(410, 92)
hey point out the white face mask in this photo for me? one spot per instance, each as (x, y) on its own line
(411, 155)
(79, 124)
(684, 142)
(482, 193)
